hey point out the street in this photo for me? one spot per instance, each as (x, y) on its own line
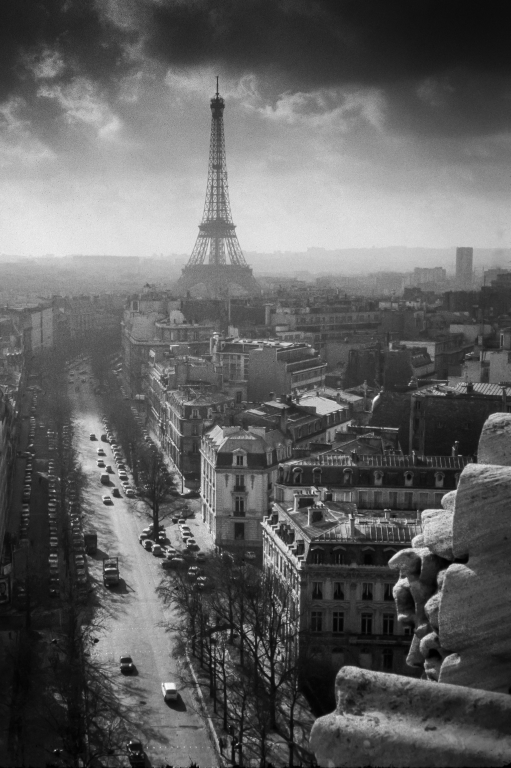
(132, 616)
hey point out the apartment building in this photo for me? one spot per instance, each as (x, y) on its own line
(335, 564)
(238, 470)
(283, 367)
(374, 483)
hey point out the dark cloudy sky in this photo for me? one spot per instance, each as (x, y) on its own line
(348, 123)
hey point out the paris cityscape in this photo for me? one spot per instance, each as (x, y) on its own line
(255, 362)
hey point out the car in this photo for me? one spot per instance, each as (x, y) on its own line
(101, 452)
(168, 564)
(104, 438)
(106, 500)
(92, 436)
(25, 508)
(202, 582)
(116, 492)
(193, 572)
(157, 550)
(175, 561)
(126, 664)
(136, 754)
(181, 521)
(192, 546)
(121, 466)
(142, 537)
(148, 544)
(169, 691)
(53, 558)
(250, 555)
(100, 463)
(54, 542)
(122, 475)
(130, 493)
(26, 496)
(109, 468)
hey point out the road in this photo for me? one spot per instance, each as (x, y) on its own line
(132, 616)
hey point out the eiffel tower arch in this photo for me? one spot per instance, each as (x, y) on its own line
(217, 267)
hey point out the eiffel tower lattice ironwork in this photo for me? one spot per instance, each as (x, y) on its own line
(217, 237)
(217, 259)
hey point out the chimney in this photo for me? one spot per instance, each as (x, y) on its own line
(470, 388)
(352, 526)
(455, 448)
(414, 458)
(314, 514)
(272, 395)
(354, 457)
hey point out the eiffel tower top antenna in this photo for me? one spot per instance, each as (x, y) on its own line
(217, 94)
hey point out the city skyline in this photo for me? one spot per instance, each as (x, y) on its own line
(347, 125)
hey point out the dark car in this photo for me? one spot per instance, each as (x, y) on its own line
(136, 754)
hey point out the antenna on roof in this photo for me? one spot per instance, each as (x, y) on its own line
(217, 86)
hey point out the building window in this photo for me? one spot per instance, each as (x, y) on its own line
(317, 590)
(195, 413)
(316, 476)
(239, 460)
(239, 396)
(439, 479)
(338, 590)
(366, 623)
(297, 476)
(337, 621)
(195, 429)
(367, 590)
(408, 500)
(378, 477)
(408, 478)
(423, 500)
(239, 531)
(317, 557)
(368, 558)
(239, 505)
(387, 592)
(316, 621)
(195, 447)
(339, 557)
(407, 631)
(378, 499)
(388, 623)
(240, 482)
(387, 658)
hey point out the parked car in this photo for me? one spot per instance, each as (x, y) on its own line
(157, 550)
(250, 555)
(116, 492)
(92, 436)
(148, 544)
(101, 452)
(106, 500)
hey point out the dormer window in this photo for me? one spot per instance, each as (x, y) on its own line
(268, 457)
(316, 476)
(347, 475)
(378, 477)
(195, 413)
(239, 459)
(297, 476)
(408, 479)
(439, 479)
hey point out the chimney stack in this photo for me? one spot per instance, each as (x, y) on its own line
(352, 526)
(314, 514)
(455, 448)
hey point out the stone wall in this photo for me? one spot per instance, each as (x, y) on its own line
(454, 589)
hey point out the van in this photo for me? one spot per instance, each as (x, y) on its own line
(105, 478)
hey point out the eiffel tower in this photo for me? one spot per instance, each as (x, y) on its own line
(217, 267)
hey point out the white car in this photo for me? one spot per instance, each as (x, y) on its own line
(101, 452)
(106, 500)
(169, 691)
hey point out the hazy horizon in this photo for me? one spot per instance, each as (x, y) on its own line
(348, 124)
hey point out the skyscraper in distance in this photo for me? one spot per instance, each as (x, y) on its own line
(464, 267)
